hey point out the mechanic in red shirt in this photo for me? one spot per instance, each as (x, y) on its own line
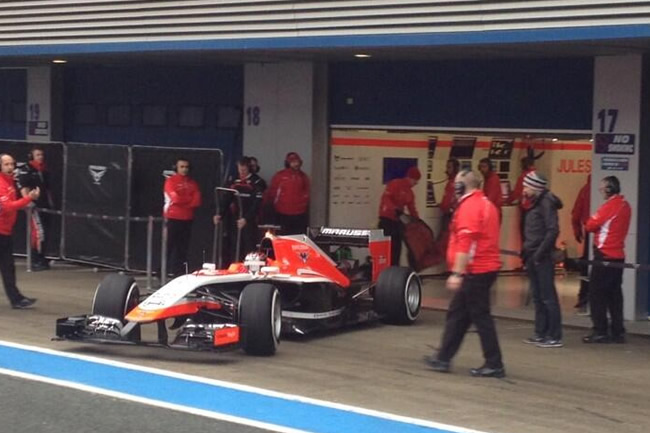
(609, 225)
(182, 197)
(397, 195)
(289, 196)
(491, 183)
(448, 202)
(9, 206)
(517, 194)
(473, 257)
(579, 216)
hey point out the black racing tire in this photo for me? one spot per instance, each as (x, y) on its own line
(398, 295)
(115, 296)
(260, 318)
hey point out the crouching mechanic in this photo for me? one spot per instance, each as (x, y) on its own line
(397, 195)
(473, 257)
(9, 206)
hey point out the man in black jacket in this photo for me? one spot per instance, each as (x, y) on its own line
(251, 188)
(541, 230)
(32, 175)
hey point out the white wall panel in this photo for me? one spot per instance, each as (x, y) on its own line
(93, 21)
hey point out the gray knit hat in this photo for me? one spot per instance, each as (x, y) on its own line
(535, 181)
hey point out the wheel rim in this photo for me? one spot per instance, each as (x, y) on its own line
(132, 298)
(412, 296)
(276, 317)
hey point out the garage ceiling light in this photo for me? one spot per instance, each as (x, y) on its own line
(362, 56)
(59, 61)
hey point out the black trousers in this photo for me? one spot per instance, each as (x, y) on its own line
(178, 243)
(548, 319)
(8, 269)
(392, 228)
(292, 224)
(606, 294)
(471, 304)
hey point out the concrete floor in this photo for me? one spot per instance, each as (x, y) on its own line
(578, 388)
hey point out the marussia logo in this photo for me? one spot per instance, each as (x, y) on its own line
(304, 256)
(97, 172)
(345, 232)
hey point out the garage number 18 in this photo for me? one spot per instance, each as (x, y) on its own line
(253, 116)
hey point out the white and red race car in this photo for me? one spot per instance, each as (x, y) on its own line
(292, 284)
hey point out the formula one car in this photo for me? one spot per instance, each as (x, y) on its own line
(291, 284)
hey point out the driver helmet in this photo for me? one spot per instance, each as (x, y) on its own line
(254, 261)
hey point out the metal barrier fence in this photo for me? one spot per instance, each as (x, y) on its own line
(107, 196)
(150, 220)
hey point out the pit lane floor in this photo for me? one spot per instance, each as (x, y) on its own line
(578, 388)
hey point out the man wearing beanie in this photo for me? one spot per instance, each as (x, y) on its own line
(397, 195)
(541, 230)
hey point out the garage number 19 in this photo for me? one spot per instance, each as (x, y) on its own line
(253, 116)
(607, 119)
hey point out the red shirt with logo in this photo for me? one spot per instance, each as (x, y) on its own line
(10, 204)
(610, 224)
(397, 195)
(289, 192)
(474, 230)
(449, 198)
(492, 189)
(580, 211)
(182, 197)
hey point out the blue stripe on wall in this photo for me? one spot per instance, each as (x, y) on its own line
(205, 396)
(590, 33)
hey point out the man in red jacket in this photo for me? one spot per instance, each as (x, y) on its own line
(182, 197)
(397, 196)
(289, 196)
(9, 206)
(609, 225)
(473, 257)
(491, 183)
(579, 216)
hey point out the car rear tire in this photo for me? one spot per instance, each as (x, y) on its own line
(115, 296)
(398, 295)
(260, 318)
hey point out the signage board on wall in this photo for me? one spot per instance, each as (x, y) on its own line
(501, 149)
(615, 163)
(614, 144)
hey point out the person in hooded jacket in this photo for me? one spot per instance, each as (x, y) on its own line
(289, 196)
(541, 230)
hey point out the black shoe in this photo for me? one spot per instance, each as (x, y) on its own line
(486, 371)
(23, 303)
(40, 266)
(437, 365)
(596, 339)
(619, 339)
(550, 343)
(535, 339)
